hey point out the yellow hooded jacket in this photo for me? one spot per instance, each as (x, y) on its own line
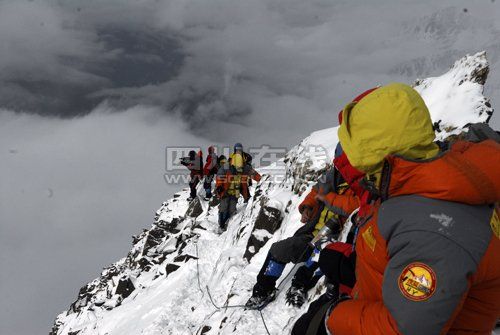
(390, 120)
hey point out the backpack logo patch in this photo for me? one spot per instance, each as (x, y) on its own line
(417, 282)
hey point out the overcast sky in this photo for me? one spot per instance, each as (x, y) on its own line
(91, 93)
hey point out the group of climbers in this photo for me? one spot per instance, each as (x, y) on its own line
(422, 257)
(233, 176)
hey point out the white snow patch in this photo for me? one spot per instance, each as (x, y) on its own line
(275, 203)
(262, 234)
(456, 99)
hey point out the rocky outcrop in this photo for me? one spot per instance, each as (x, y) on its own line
(267, 222)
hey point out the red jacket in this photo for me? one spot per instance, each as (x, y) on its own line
(210, 167)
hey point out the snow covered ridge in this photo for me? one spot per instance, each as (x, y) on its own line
(456, 99)
(181, 267)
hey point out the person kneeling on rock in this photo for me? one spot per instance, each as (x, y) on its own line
(330, 201)
(337, 261)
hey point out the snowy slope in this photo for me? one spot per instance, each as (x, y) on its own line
(180, 269)
(456, 99)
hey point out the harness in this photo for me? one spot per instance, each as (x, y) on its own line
(234, 188)
(331, 213)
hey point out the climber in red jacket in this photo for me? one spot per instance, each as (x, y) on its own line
(209, 171)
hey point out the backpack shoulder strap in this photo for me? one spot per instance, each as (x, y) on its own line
(479, 132)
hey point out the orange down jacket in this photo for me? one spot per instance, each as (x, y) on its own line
(225, 176)
(342, 203)
(428, 257)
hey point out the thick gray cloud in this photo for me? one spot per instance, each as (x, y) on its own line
(222, 62)
(270, 64)
(53, 57)
(73, 190)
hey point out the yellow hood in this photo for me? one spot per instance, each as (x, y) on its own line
(237, 161)
(390, 120)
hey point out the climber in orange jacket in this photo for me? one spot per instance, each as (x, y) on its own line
(428, 240)
(231, 182)
(316, 212)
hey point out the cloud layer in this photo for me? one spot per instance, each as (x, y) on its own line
(262, 64)
(72, 192)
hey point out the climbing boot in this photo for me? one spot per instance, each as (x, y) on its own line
(296, 296)
(261, 296)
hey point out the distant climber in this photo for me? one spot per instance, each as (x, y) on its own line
(209, 171)
(194, 162)
(327, 205)
(231, 182)
(428, 236)
(238, 149)
(228, 190)
(247, 163)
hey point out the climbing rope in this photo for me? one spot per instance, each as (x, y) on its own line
(280, 286)
(264, 322)
(225, 307)
(198, 271)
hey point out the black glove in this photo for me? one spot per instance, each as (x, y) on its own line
(316, 311)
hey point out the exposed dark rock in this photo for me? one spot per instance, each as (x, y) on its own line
(180, 244)
(205, 330)
(144, 264)
(171, 268)
(268, 219)
(194, 209)
(157, 232)
(149, 244)
(125, 287)
(183, 258)
(223, 322)
(479, 75)
(169, 226)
